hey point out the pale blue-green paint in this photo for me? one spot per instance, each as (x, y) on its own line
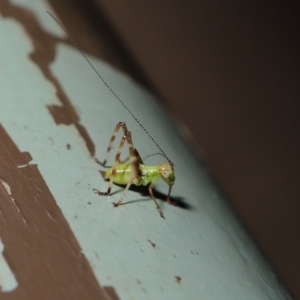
(206, 246)
(8, 280)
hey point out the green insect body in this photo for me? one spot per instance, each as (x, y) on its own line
(135, 172)
(148, 174)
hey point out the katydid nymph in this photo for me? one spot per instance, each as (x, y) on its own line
(135, 172)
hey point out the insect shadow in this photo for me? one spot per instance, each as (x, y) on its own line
(143, 191)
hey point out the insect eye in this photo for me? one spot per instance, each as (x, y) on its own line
(164, 174)
(165, 171)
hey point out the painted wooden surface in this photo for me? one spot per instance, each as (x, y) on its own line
(63, 241)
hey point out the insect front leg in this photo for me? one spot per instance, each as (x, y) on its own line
(155, 201)
(169, 201)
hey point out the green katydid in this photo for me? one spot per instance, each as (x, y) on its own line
(134, 172)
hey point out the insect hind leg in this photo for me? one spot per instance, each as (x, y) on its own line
(111, 141)
(134, 157)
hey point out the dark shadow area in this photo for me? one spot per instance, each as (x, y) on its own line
(95, 34)
(230, 71)
(143, 191)
(231, 205)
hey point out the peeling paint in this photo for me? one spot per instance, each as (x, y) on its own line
(39, 8)
(9, 193)
(64, 100)
(178, 279)
(8, 281)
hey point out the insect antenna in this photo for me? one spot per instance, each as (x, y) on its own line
(110, 89)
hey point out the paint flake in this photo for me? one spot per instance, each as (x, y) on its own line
(8, 280)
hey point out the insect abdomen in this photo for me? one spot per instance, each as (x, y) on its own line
(122, 176)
